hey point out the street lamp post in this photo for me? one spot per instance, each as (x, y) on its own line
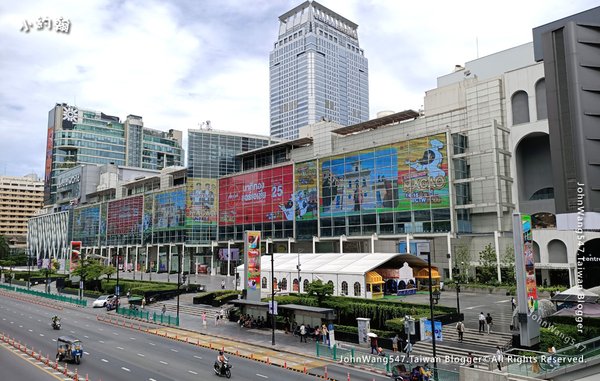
(431, 315)
(28, 270)
(298, 267)
(457, 299)
(212, 257)
(178, 281)
(118, 289)
(270, 245)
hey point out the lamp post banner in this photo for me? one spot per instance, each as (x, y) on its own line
(252, 264)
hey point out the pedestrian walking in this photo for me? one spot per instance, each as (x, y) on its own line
(499, 358)
(470, 360)
(143, 302)
(128, 294)
(325, 334)
(374, 345)
(488, 322)
(481, 322)
(408, 349)
(222, 313)
(164, 309)
(460, 328)
(302, 333)
(286, 325)
(204, 319)
(513, 303)
(395, 343)
(223, 284)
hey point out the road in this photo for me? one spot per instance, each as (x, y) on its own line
(115, 353)
(118, 353)
(12, 362)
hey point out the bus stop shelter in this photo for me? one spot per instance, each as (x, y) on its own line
(315, 316)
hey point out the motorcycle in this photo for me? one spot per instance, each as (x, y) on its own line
(56, 324)
(421, 373)
(225, 371)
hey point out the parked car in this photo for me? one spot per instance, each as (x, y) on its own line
(102, 300)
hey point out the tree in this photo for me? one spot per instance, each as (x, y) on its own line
(462, 258)
(89, 269)
(508, 262)
(4, 248)
(108, 271)
(487, 259)
(320, 290)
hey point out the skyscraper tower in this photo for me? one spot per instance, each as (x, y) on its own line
(317, 71)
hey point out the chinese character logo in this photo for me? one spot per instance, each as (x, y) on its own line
(70, 114)
(45, 23)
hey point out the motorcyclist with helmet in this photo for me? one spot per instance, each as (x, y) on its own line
(221, 359)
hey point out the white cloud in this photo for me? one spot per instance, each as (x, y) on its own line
(182, 62)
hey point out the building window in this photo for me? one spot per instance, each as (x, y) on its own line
(520, 107)
(543, 194)
(344, 288)
(305, 285)
(263, 283)
(284, 284)
(356, 289)
(296, 286)
(275, 283)
(540, 99)
(331, 283)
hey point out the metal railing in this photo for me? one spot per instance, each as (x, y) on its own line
(149, 316)
(60, 298)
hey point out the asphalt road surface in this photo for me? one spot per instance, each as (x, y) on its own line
(117, 353)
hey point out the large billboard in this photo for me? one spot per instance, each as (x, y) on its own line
(409, 175)
(306, 197)
(86, 224)
(257, 197)
(252, 264)
(169, 210)
(202, 201)
(125, 216)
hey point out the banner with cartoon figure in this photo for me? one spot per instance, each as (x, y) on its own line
(305, 196)
(252, 264)
(530, 284)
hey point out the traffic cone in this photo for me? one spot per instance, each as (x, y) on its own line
(326, 372)
(285, 364)
(348, 376)
(86, 377)
(76, 378)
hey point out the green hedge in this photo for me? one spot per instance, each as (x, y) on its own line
(218, 296)
(380, 311)
(567, 331)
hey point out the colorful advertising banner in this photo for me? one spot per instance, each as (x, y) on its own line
(427, 329)
(202, 201)
(423, 173)
(125, 216)
(306, 197)
(252, 264)
(86, 224)
(410, 175)
(75, 254)
(169, 210)
(257, 197)
(530, 285)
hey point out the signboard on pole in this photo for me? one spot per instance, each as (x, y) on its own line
(252, 265)
(427, 330)
(272, 310)
(526, 286)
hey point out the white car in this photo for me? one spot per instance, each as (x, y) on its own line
(102, 300)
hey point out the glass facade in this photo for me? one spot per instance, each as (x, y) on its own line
(317, 71)
(77, 136)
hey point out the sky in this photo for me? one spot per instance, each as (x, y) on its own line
(181, 62)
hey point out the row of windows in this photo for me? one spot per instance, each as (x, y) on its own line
(283, 285)
(520, 104)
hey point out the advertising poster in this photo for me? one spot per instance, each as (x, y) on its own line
(125, 216)
(103, 219)
(148, 214)
(427, 328)
(530, 285)
(169, 210)
(306, 198)
(202, 201)
(86, 224)
(361, 181)
(252, 264)
(75, 254)
(257, 197)
(423, 173)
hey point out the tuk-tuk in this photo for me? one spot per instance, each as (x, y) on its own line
(69, 348)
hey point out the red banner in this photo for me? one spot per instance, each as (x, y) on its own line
(75, 254)
(256, 197)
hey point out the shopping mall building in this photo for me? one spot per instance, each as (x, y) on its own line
(447, 179)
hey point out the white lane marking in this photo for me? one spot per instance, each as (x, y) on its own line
(261, 375)
(151, 379)
(73, 332)
(12, 322)
(164, 362)
(101, 329)
(503, 301)
(174, 350)
(54, 340)
(120, 348)
(141, 355)
(151, 343)
(470, 308)
(30, 330)
(20, 326)
(86, 337)
(198, 357)
(114, 333)
(125, 369)
(132, 338)
(86, 353)
(39, 321)
(41, 334)
(100, 341)
(103, 360)
(192, 372)
(87, 325)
